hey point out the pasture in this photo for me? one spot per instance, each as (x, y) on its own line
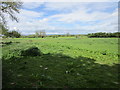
(65, 63)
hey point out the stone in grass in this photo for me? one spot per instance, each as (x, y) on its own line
(33, 51)
(103, 53)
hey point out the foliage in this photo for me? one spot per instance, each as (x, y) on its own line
(9, 8)
(37, 35)
(3, 30)
(41, 33)
(104, 35)
(13, 34)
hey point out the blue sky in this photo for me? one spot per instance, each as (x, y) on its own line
(64, 17)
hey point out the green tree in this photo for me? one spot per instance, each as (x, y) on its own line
(40, 33)
(8, 8)
(13, 34)
(3, 30)
(68, 34)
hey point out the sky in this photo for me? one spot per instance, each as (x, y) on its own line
(66, 17)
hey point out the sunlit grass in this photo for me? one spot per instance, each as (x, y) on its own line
(66, 62)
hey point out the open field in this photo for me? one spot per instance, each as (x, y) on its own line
(66, 62)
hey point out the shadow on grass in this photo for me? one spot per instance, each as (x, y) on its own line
(7, 43)
(58, 71)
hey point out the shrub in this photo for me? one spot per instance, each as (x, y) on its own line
(33, 51)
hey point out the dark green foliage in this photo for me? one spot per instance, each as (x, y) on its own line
(33, 51)
(13, 34)
(104, 35)
(3, 30)
(55, 36)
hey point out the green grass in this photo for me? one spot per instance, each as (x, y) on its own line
(65, 63)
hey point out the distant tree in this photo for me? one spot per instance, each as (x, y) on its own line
(68, 34)
(41, 33)
(55, 36)
(117, 34)
(77, 36)
(13, 34)
(31, 36)
(37, 34)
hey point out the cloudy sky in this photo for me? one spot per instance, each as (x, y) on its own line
(64, 17)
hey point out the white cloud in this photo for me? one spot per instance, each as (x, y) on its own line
(80, 11)
(31, 5)
(30, 21)
(30, 14)
(65, 6)
(101, 6)
(25, 16)
(70, 0)
(80, 15)
(110, 24)
(29, 27)
(62, 6)
(108, 21)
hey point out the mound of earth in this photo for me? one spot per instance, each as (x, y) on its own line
(33, 51)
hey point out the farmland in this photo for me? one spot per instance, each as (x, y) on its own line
(66, 62)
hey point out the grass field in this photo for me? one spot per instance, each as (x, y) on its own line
(65, 63)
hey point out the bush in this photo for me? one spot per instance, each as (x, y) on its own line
(104, 35)
(33, 51)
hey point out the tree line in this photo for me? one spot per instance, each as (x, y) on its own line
(104, 35)
(42, 34)
(13, 34)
